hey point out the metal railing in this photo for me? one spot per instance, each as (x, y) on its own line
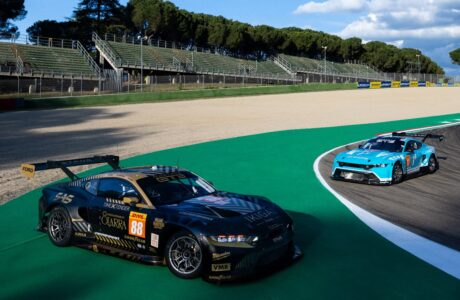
(88, 59)
(107, 51)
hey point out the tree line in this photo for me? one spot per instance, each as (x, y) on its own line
(163, 20)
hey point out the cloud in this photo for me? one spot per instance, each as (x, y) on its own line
(331, 6)
(397, 43)
(429, 25)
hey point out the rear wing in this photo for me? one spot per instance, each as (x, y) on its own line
(29, 170)
(420, 135)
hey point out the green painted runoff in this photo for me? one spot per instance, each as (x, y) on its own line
(343, 258)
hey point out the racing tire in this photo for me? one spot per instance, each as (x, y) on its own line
(60, 229)
(184, 255)
(432, 165)
(397, 175)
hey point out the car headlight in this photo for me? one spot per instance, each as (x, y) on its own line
(234, 239)
(381, 165)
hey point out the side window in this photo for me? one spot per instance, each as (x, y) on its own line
(115, 188)
(410, 146)
(91, 187)
(418, 145)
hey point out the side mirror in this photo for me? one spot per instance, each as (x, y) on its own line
(132, 200)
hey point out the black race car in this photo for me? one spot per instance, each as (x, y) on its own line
(164, 215)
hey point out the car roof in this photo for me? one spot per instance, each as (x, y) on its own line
(136, 173)
(396, 138)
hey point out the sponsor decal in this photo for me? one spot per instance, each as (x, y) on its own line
(215, 200)
(407, 160)
(113, 221)
(80, 234)
(137, 224)
(140, 246)
(134, 239)
(116, 206)
(64, 198)
(169, 177)
(363, 85)
(107, 235)
(220, 256)
(220, 277)
(376, 84)
(95, 249)
(221, 267)
(158, 223)
(260, 215)
(28, 170)
(413, 83)
(396, 84)
(386, 84)
(405, 83)
(154, 240)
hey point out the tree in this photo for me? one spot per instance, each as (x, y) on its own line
(455, 56)
(51, 28)
(11, 10)
(97, 15)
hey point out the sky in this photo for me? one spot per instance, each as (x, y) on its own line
(433, 26)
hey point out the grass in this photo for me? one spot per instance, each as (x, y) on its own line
(117, 99)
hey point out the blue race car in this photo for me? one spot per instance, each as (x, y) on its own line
(387, 159)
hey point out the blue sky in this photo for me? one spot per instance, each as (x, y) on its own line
(432, 26)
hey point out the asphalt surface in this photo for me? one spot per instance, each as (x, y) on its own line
(428, 205)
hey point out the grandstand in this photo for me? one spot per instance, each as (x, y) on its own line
(48, 61)
(297, 64)
(121, 64)
(127, 55)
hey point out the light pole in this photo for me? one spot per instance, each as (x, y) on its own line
(325, 53)
(142, 62)
(418, 64)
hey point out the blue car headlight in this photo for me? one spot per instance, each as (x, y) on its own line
(381, 165)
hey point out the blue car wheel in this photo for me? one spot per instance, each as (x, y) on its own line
(397, 174)
(432, 164)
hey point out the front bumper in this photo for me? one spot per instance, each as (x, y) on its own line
(359, 176)
(229, 264)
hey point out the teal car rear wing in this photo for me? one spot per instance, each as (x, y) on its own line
(424, 137)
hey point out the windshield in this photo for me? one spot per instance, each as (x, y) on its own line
(391, 145)
(174, 187)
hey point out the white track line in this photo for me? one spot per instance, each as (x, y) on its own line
(437, 255)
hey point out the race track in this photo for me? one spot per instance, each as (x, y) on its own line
(427, 205)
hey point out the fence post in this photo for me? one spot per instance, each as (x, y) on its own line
(41, 86)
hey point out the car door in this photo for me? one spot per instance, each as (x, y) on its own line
(118, 224)
(413, 157)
